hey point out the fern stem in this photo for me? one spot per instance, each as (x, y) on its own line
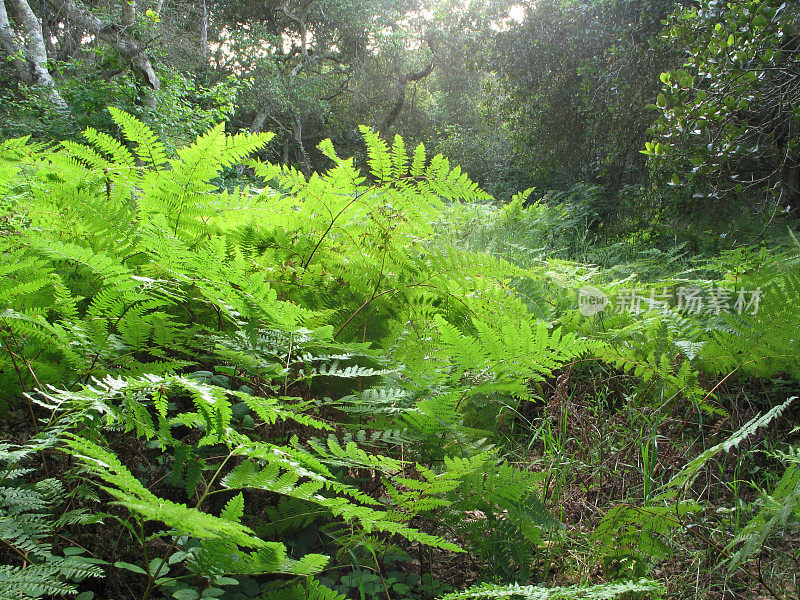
(108, 335)
(22, 384)
(151, 577)
(360, 308)
(326, 232)
(412, 285)
(74, 543)
(16, 551)
(355, 199)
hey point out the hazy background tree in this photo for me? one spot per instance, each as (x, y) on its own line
(576, 80)
(551, 94)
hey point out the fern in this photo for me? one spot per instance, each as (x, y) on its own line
(629, 589)
(288, 471)
(350, 455)
(287, 482)
(148, 148)
(684, 478)
(647, 349)
(28, 526)
(780, 511)
(504, 356)
(499, 510)
(328, 352)
(130, 492)
(641, 534)
(761, 344)
(632, 537)
(309, 590)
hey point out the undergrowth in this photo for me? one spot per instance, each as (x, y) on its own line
(375, 384)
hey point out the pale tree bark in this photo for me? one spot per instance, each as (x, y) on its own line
(11, 48)
(30, 57)
(262, 113)
(297, 129)
(116, 36)
(128, 13)
(204, 33)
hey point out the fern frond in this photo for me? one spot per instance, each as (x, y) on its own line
(642, 589)
(112, 147)
(308, 590)
(378, 157)
(148, 148)
(686, 476)
(28, 524)
(131, 494)
(781, 507)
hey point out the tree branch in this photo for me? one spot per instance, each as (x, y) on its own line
(114, 35)
(31, 65)
(11, 48)
(402, 82)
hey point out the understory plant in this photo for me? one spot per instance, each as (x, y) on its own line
(302, 387)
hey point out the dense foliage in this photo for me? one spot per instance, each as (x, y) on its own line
(729, 123)
(329, 358)
(323, 363)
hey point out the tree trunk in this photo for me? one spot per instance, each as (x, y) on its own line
(114, 35)
(297, 132)
(128, 13)
(403, 79)
(8, 42)
(259, 120)
(30, 62)
(204, 33)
